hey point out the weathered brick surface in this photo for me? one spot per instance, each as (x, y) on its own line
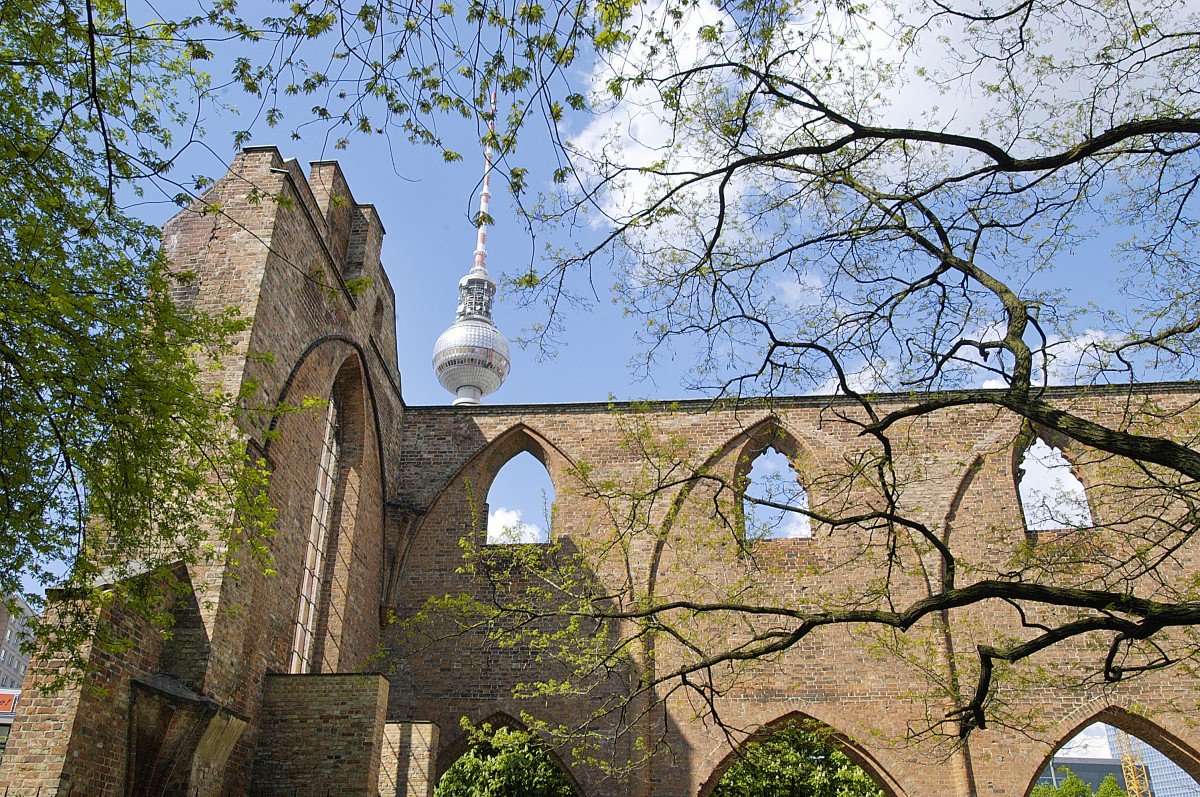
(409, 760)
(321, 734)
(298, 256)
(277, 247)
(310, 339)
(73, 740)
(958, 475)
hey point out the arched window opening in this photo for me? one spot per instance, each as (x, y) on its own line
(505, 761)
(1052, 497)
(798, 757)
(1103, 761)
(772, 496)
(519, 502)
(318, 539)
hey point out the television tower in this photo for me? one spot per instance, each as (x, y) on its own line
(471, 357)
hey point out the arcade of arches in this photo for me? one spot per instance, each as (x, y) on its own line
(331, 675)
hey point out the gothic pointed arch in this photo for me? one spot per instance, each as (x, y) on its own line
(327, 480)
(1175, 740)
(768, 470)
(462, 744)
(1050, 487)
(480, 470)
(770, 432)
(453, 750)
(743, 447)
(517, 439)
(858, 755)
(288, 392)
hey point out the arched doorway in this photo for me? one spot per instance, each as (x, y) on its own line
(500, 758)
(795, 756)
(1103, 759)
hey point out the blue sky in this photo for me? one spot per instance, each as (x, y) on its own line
(426, 205)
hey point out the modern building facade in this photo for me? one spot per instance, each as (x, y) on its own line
(1091, 771)
(1167, 779)
(13, 659)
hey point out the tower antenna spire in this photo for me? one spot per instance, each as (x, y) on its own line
(485, 195)
(471, 358)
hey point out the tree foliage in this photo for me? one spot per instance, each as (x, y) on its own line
(827, 197)
(117, 458)
(503, 762)
(862, 200)
(1072, 786)
(798, 758)
(1110, 788)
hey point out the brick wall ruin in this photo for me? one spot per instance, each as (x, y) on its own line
(213, 709)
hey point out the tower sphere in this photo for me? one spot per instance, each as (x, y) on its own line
(471, 360)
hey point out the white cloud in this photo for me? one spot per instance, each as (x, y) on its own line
(1075, 360)
(870, 377)
(859, 63)
(894, 64)
(796, 526)
(505, 527)
(635, 132)
(1067, 361)
(803, 292)
(1091, 742)
(768, 523)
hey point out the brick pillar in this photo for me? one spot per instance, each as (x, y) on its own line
(408, 768)
(321, 734)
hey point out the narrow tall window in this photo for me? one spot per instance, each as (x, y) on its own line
(772, 496)
(1052, 497)
(314, 553)
(519, 502)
